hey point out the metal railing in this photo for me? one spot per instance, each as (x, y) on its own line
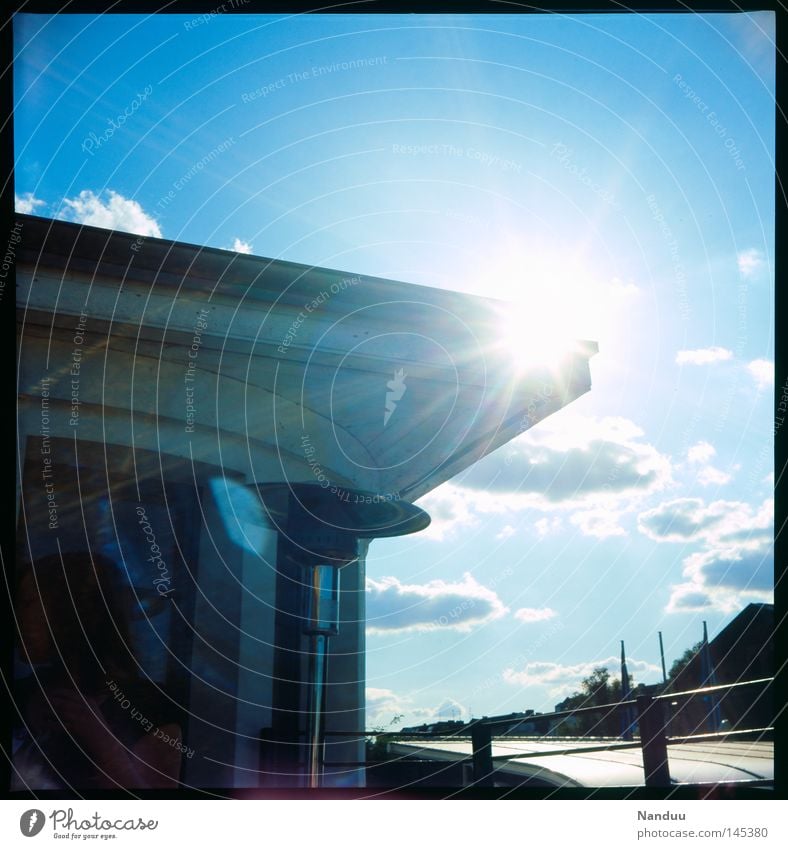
(653, 723)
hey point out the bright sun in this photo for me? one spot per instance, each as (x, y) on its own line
(554, 301)
(532, 339)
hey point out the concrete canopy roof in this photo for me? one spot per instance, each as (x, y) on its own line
(377, 384)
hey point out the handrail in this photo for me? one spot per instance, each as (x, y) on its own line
(714, 688)
(652, 723)
(718, 735)
(575, 751)
(652, 720)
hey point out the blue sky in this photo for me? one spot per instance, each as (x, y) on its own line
(616, 171)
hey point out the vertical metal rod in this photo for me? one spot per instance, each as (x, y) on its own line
(626, 693)
(662, 658)
(709, 680)
(651, 719)
(318, 667)
(481, 741)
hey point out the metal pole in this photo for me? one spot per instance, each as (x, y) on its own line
(321, 620)
(709, 680)
(651, 719)
(662, 658)
(318, 668)
(626, 693)
(481, 740)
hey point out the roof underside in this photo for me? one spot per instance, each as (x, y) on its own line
(386, 386)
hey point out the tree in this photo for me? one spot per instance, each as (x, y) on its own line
(681, 663)
(596, 686)
(595, 689)
(377, 742)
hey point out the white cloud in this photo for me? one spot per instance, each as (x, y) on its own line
(448, 709)
(676, 521)
(711, 475)
(383, 705)
(114, 213)
(703, 356)
(699, 455)
(599, 523)
(617, 288)
(462, 606)
(378, 699)
(241, 247)
(750, 262)
(450, 510)
(534, 614)
(562, 680)
(734, 567)
(27, 203)
(689, 598)
(735, 564)
(701, 452)
(725, 578)
(597, 469)
(571, 461)
(691, 519)
(506, 532)
(762, 371)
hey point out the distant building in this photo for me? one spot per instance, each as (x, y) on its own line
(448, 726)
(742, 651)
